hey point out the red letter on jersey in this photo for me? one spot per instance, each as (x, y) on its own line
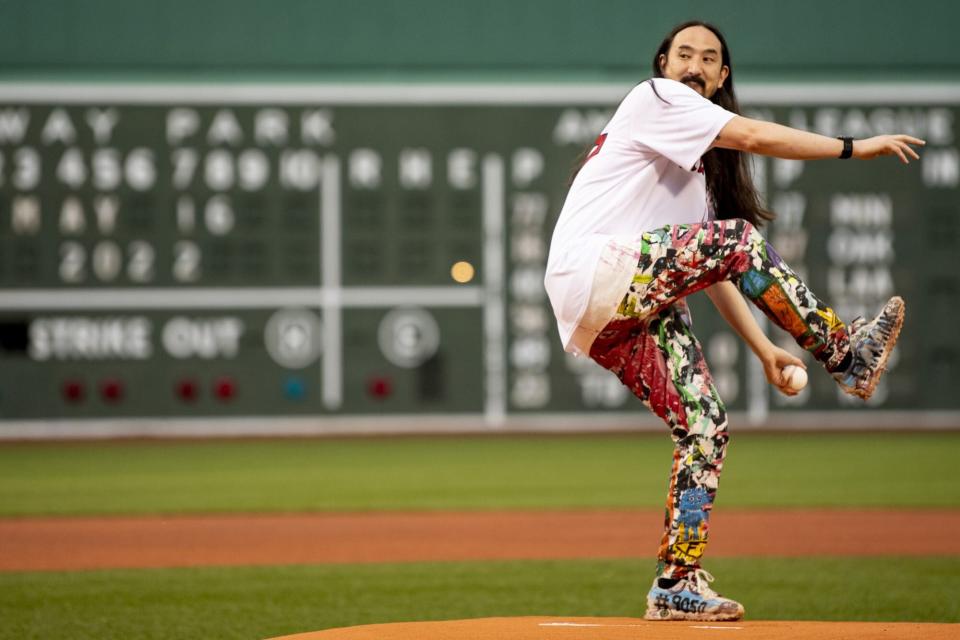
(596, 145)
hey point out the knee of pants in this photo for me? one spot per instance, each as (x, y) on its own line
(749, 248)
(756, 240)
(705, 449)
(749, 232)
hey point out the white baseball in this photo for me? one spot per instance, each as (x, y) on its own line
(796, 377)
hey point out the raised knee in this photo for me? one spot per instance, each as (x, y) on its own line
(744, 232)
(748, 231)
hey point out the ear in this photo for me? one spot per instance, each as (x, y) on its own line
(724, 72)
(662, 61)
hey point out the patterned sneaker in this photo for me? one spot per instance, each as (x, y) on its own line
(690, 598)
(870, 345)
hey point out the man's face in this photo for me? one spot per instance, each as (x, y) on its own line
(695, 59)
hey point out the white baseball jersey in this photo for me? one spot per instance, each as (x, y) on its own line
(644, 172)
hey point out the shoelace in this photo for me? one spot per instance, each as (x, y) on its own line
(867, 340)
(884, 323)
(700, 581)
(875, 335)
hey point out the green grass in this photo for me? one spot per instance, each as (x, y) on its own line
(792, 470)
(540, 472)
(254, 602)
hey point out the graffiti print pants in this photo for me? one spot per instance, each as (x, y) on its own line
(649, 345)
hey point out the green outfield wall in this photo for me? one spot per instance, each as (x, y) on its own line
(229, 218)
(814, 39)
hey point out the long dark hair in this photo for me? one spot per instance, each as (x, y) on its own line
(728, 175)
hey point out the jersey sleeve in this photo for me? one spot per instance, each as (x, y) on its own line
(680, 124)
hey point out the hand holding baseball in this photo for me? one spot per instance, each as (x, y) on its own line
(777, 363)
(794, 377)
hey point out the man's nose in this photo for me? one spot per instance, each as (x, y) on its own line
(693, 68)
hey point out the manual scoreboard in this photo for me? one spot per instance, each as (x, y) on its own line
(191, 251)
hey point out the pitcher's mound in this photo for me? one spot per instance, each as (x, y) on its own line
(541, 628)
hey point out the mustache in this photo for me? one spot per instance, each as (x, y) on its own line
(695, 79)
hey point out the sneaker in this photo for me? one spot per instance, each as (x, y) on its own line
(690, 598)
(870, 345)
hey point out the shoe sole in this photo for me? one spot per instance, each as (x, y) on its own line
(887, 348)
(668, 615)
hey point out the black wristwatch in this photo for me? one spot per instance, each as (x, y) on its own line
(847, 147)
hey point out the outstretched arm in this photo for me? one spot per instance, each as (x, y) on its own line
(731, 305)
(771, 139)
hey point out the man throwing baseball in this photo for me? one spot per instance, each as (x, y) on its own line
(663, 207)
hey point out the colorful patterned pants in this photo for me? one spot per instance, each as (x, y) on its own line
(650, 347)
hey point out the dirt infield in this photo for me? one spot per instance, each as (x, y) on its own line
(542, 628)
(124, 542)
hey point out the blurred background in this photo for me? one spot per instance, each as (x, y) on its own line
(224, 218)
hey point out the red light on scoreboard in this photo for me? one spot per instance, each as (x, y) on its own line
(380, 387)
(225, 389)
(187, 390)
(111, 390)
(73, 391)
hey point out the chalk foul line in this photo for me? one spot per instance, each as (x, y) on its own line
(594, 624)
(585, 624)
(708, 627)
